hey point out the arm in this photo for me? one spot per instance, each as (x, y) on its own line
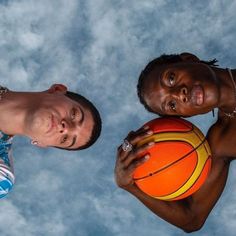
(188, 214)
(7, 177)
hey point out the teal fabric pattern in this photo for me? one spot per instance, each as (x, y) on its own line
(6, 165)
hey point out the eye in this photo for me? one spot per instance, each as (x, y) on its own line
(64, 139)
(171, 79)
(172, 105)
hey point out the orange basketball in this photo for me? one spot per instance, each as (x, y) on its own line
(179, 162)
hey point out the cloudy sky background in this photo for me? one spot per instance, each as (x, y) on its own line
(98, 48)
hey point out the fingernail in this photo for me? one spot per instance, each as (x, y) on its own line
(151, 143)
(149, 132)
(146, 157)
(146, 127)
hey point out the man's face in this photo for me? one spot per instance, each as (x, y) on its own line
(60, 121)
(182, 89)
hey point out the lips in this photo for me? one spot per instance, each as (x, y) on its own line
(197, 95)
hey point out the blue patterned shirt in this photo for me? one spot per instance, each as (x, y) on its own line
(7, 177)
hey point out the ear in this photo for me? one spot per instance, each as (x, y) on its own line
(189, 57)
(57, 88)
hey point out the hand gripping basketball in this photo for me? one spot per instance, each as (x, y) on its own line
(127, 161)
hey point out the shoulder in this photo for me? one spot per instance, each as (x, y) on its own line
(222, 139)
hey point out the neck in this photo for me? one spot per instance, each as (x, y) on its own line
(14, 108)
(228, 91)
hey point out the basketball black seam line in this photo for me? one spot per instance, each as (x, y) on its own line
(165, 167)
(185, 183)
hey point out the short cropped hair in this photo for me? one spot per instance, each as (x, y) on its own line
(162, 60)
(96, 117)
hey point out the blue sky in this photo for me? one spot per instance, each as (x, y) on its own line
(98, 48)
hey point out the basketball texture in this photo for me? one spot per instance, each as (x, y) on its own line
(179, 162)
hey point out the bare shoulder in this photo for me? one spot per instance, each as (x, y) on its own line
(222, 138)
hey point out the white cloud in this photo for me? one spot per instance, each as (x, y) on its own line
(31, 41)
(33, 35)
(12, 220)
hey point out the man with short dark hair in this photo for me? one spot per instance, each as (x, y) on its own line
(51, 118)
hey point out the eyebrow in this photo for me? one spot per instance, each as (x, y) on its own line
(80, 122)
(82, 116)
(161, 78)
(73, 141)
(161, 84)
(163, 107)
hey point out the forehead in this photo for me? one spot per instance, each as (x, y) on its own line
(153, 77)
(157, 70)
(152, 88)
(155, 74)
(84, 132)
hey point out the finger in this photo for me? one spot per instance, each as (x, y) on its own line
(136, 154)
(142, 129)
(138, 137)
(129, 156)
(128, 172)
(130, 133)
(121, 154)
(143, 149)
(133, 138)
(119, 148)
(136, 163)
(129, 136)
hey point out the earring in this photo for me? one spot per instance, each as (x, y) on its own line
(34, 142)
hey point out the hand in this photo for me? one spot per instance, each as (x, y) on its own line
(128, 161)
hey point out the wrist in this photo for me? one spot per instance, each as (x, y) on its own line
(131, 188)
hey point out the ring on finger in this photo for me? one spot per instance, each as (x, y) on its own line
(127, 146)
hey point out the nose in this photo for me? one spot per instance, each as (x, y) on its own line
(180, 93)
(183, 94)
(65, 126)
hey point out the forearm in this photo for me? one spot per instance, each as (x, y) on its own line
(177, 213)
(188, 214)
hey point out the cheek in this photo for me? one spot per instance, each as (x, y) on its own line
(192, 111)
(211, 96)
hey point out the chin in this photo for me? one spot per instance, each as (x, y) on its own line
(204, 111)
